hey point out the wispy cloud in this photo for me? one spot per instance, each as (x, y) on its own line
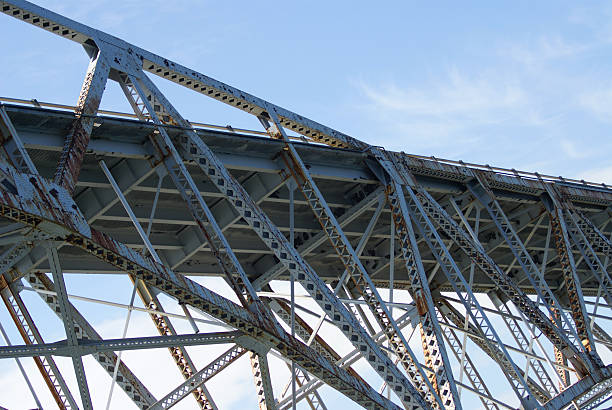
(458, 94)
(572, 150)
(600, 174)
(528, 98)
(545, 49)
(598, 102)
(436, 113)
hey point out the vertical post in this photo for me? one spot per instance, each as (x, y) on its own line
(66, 311)
(471, 282)
(21, 369)
(601, 285)
(391, 265)
(125, 328)
(391, 277)
(291, 186)
(75, 143)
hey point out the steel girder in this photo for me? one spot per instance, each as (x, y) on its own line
(104, 247)
(431, 334)
(48, 210)
(195, 149)
(30, 334)
(442, 390)
(63, 348)
(130, 384)
(572, 283)
(202, 376)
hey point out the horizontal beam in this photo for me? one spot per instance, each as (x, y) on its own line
(61, 220)
(447, 177)
(86, 346)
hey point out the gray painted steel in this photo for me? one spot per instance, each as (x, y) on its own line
(538, 246)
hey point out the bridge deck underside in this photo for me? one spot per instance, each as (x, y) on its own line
(341, 175)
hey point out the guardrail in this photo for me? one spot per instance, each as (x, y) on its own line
(504, 171)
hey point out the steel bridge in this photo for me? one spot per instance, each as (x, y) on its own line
(475, 261)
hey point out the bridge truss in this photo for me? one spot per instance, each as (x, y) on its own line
(429, 268)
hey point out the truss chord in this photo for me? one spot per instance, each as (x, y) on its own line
(21, 369)
(199, 378)
(62, 348)
(30, 334)
(130, 384)
(71, 335)
(487, 198)
(434, 390)
(193, 147)
(45, 210)
(572, 283)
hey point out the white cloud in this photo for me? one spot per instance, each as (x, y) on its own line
(441, 115)
(571, 149)
(603, 174)
(598, 101)
(545, 49)
(458, 94)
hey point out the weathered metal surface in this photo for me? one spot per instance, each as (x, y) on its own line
(104, 247)
(46, 364)
(202, 376)
(62, 348)
(130, 384)
(75, 143)
(222, 211)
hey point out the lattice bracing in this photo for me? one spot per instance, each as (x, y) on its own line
(491, 268)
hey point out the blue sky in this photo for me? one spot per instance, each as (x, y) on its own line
(523, 84)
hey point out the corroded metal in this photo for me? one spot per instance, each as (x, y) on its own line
(30, 334)
(228, 199)
(77, 140)
(104, 247)
(199, 378)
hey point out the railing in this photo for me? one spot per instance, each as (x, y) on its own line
(498, 170)
(511, 171)
(37, 103)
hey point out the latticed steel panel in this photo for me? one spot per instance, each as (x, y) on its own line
(489, 268)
